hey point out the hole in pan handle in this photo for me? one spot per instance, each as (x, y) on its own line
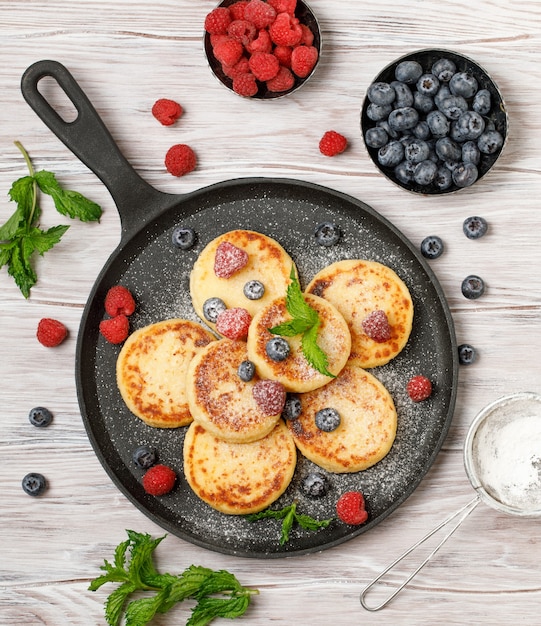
(89, 139)
(462, 514)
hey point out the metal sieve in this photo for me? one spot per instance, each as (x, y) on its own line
(502, 458)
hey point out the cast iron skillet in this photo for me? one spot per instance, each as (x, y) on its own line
(157, 273)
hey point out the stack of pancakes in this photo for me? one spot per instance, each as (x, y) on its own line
(237, 457)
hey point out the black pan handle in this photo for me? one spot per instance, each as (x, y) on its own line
(88, 138)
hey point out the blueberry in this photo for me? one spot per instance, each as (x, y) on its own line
(292, 407)
(376, 137)
(466, 354)
(482, 102)
(408, 72)
(447, 149)
(40, 416)
(327, 234)
(422, 130)
(394, 134)
(377, 112)
(246, 371)
(315, 485)
(474, 227)
(183, 237)
(212, 308)
(327, 419)
(453, 106)
(404, 97)
(428, 85)
(34, 484)
(490, 142)
(471, 153)
(444, 178)
(463, 84)
(381, 93)
(465, 175)
(443, 92)
(425, 172)
(470, 124)
(391, 154)
(422, 102)
(404, 172)
(432, 247)
(277, 349)
(254, 290)
(144, 457)
(443, 69)
(416, 151)
(438, 124)
(403, 118)
(473, 287)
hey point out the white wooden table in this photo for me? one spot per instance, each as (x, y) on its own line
(126, 55)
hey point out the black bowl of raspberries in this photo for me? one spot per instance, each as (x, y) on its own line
(262, 49)
(434, 122)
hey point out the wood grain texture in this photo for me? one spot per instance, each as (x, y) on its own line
(127, 54)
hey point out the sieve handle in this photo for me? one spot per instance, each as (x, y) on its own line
(462, 514)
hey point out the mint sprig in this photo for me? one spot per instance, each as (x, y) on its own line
(218, 593)
(289, 517)
(21, 236)
(305, 321)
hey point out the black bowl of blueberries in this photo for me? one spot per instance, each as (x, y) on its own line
(434, 122)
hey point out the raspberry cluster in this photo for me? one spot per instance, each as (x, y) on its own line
(261, 43)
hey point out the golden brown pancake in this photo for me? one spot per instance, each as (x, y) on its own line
(367, 428)
(295, 373)
(151, 370)
(268, 263)
(219, 400)
(357, 288)
(239, 478)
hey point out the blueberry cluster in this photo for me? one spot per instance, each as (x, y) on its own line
(430, 127)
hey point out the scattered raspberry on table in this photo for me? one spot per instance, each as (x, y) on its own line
(166, 111)
(332, 143)
(51, 332)
(180, 160)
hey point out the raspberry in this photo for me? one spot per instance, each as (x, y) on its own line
(166, 111)
(283, 54)
(332, 143)
(419, 388)
(228, 51)
(229, 259)
(180, 159)
(245, 84)
(115, 329)
(264, 66)
(284, 6)
(242, 31)
(234, 323)
(259, 13)
(237, 9)
(262, 43)
(234, 71)
(216, 39)
(217, 21)
(159, 480)
(307, 38)
(303, 60)
(286, 31)
(270, 396)
(350, 508)
(377, 327)
(283, 81)
(51, 332)
(119, 300)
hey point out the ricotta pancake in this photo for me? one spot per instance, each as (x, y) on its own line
(239, 478)
(267, 263)
(151, 370)
(357, 288)
(367, 426)
(219, 400)
(294, 372)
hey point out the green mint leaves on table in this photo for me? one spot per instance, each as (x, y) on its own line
(21, 236)
(305, 321)
(289, 516)
(217, 592)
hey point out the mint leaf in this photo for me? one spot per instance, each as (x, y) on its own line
(67, 202)
(114, 606)
(313, 353)
(23, 192)
(291, 328)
